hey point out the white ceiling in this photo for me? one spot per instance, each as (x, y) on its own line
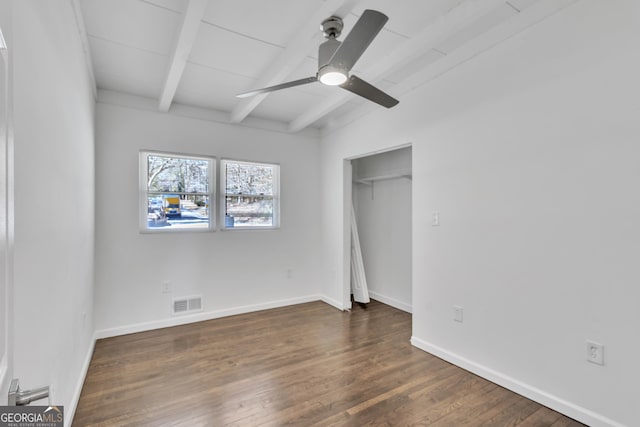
(202, 52)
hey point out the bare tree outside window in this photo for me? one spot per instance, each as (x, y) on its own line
(178, 191)
(251, 194)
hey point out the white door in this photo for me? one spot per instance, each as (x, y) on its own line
(358, 278)
(6, 227)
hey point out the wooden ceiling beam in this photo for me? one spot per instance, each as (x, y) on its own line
(184, 43)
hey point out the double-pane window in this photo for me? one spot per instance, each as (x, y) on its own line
(250, 194)
(177, 191)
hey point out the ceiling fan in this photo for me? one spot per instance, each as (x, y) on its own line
(335, 59)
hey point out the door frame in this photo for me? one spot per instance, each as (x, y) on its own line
(347, 193)
(6, 215)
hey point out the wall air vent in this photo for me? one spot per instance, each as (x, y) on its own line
(187, 304)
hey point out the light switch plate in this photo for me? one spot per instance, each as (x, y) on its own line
(435, 219)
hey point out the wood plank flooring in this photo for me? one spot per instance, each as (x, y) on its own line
(303, 365)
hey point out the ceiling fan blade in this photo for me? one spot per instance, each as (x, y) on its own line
(370, 92)
(278, 87)
(360, 37)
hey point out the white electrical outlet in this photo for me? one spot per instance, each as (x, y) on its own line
(457, 313)
(595, 353)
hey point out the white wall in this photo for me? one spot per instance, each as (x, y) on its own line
(54, 200)
(234, 270)
(529, 152)
(383, 215)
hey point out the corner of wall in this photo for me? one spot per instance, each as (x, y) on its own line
(75, 398)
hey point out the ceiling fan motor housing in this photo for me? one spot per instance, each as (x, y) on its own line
(330, 74)
(326, 51)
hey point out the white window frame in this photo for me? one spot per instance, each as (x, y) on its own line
(275, 197)
(144, 192)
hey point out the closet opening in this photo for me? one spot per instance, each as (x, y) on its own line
(381, 249)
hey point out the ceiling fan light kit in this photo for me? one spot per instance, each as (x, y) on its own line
(336, 59)
(332, 76)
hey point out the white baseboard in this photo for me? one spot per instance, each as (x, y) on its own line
(70, 411)
(337, 304)
(199, 317)
(569, 409)
(390, 301)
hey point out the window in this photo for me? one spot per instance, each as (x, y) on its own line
(251, 193)
(176, 192)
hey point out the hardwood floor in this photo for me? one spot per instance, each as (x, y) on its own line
(302, 365)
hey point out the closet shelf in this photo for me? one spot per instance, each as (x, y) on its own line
(370, 180)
